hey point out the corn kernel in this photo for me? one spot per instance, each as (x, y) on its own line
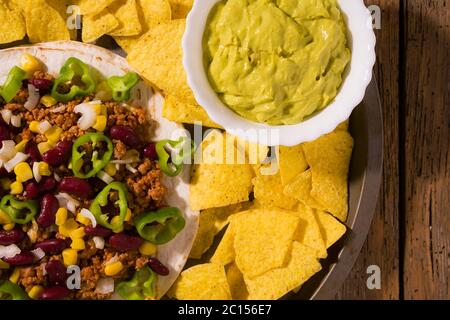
(113, 268)
(20, 147)
(78, 244)
(16, 187)
(147, 249)
(61, 216)
(15, 275)
(9, 226)
(6, 183)
(111, 169)
(43, 147)
(44, 169)
(34, 126)
(116, 220)
(48, 101)
(30, 64)
(98, 109)
(70, 257)
(53, 135)
(78, 233)
(35, 292)
(100, 124)
(23, 172)
(4, 218)
(128, 215)
(83, 220)
(67, 227)
(3, 265)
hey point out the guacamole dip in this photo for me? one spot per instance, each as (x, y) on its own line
(276, 61)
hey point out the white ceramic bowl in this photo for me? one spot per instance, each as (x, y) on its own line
(357, 78)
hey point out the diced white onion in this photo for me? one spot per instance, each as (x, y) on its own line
(105, 286)
(87, 214)
(18, 158)
(8, 150)
(9, 251)
(6, 115)
(16, 121)
(88, 115)
(44, 126)
(44, 270)
(36, 174)
(38, 253)
(131, 169)
(58, 109)
(66, 201)
(33, 97)
(106, 178)
(99, 242)
(57, 178)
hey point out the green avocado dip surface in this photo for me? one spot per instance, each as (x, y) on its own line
(276, 61)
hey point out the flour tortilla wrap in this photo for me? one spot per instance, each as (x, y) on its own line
(54, 54)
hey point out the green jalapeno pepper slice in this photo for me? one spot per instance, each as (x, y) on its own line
(76, 75)
(161, 226)
(139, 287)
(121, 86)
(96, 164)
(172, 164)
(11, 291)
(102, 200)
(21, 212)
(13, 83)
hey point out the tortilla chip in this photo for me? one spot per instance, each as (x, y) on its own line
(274, 284)
(300, 188)
(202, 282)
(225, 254)
(12, 27)
(263, 239)
(89, 7)
(292, 162)
(268, 190)
(181, 8)
(127, 15)
(44, 23)
(158, 58)
(344, 125)
(96, 26)
(151, 13)
(236, 282)
(331, 229)
(212, 221)
(329, 159)
(179, 111)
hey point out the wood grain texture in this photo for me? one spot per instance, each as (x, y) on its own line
(381, 247)
(427, 156)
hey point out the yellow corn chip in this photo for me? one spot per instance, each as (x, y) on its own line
(158, 58)
(16, 5)
(343, 126)
(274, 284)
(96, 26)
(263, 239)
(300, 188)
(225, 254)
(292, 162)
(331, 229)
(268, 190)
(202, 282)
(181, 8)
(127, 15)
(44, 23)
(90, 7)
(329, 159)
(180, 111)
(12, 26)
(236, 282)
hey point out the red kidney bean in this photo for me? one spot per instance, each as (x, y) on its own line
(158, 267)
(123, 242)
(21, 259)
(58, 155)
(150, 151)
(125, 134)
(48, 184)
(34, 189)
(76, 186)
(55, 293)
(56, 271)
(11, 237)
(32, 150)
(43, 85)
(5, 134)
(47, 215)
(97, 231)
(52, 246)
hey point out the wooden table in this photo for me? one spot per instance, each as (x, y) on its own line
(410, 234)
